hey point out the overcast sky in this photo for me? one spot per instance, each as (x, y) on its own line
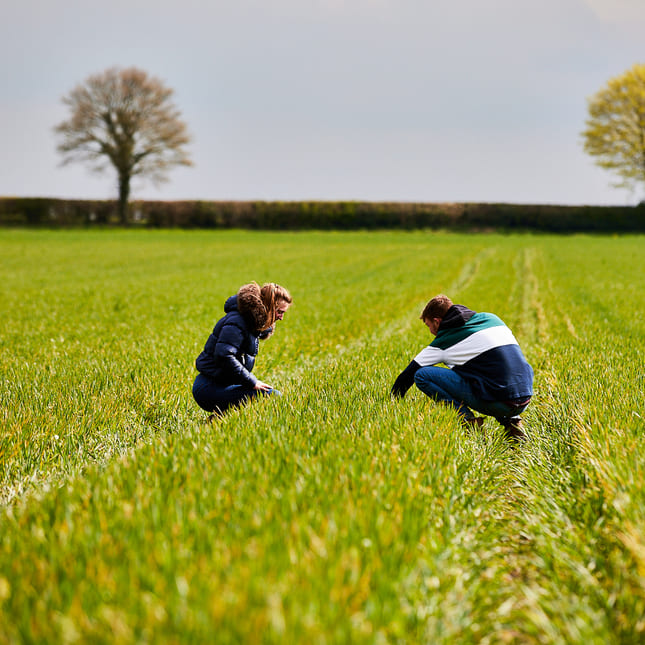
(379, 100)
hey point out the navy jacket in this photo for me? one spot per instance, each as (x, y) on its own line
(229, 354)
(481, 348)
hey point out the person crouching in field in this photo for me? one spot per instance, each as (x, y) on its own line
(488, 372)
(225, 366)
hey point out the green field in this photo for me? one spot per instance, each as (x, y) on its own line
(333, 514)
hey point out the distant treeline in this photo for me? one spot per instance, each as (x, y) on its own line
(346, 215)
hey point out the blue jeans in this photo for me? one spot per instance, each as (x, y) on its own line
(218, 398)
(448, 386)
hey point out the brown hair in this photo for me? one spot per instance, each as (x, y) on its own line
(436, 308)
(271, 294)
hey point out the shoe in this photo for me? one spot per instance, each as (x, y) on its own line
(216, 416)
(514, 429)
(473, 422)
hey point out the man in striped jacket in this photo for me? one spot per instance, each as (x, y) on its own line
(488, 372)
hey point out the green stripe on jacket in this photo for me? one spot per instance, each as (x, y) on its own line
(479, 321)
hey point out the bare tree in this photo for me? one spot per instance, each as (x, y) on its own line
(124, 118)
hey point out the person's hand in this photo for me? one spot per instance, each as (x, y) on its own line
(263, 387)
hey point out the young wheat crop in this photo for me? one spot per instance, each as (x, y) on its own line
(333, 514)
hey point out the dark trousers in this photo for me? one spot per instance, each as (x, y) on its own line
(218, 398)
(446, 385)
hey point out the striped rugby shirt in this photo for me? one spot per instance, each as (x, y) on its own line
(482, 349)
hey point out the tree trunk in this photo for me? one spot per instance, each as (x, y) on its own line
(124, 196)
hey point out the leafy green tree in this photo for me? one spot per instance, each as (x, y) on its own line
(615, 132)
(125, 119)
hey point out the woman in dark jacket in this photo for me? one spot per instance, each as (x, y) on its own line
(225, 366)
